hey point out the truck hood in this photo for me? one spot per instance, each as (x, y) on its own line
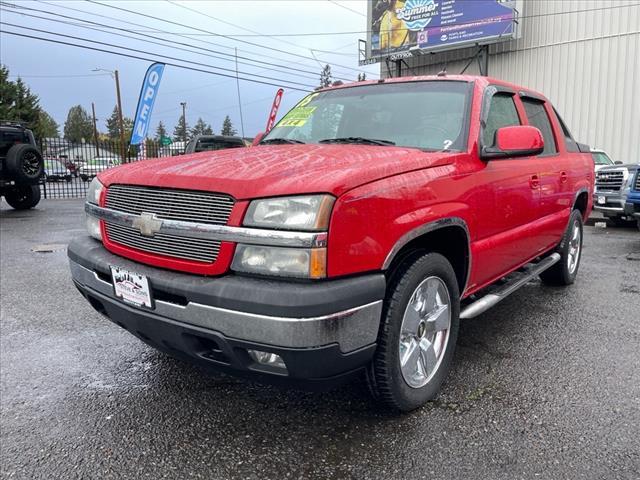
(273, 170)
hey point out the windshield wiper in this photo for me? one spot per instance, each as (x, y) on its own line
(280, 140)
(362, 140)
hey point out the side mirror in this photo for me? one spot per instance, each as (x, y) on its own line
(515, 141)
(257, 138)
(618, 162)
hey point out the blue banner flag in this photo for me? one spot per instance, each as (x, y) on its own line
(148, 95)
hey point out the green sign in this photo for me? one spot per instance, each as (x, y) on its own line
(164, 141)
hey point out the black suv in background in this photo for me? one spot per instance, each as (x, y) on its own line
(21, 166)
(205, 143)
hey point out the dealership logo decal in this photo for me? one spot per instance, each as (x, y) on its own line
(417, 14)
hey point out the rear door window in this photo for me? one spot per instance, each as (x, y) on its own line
(537, 115)
(502, 113)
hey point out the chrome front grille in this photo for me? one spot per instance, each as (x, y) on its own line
(185, 205)
(610, 180)
(182, 205)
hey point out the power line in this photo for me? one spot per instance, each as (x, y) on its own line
(151, 53)
(147, 59)
(119, 29)
(213, 33)
(347, 8)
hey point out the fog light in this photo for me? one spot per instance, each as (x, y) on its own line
(267, 358)
(93, 227)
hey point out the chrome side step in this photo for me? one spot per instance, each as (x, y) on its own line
(485, 303)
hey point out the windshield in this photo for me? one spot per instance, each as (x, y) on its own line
(427, 115)
(600, 158)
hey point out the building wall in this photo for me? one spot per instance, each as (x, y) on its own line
(587, 63)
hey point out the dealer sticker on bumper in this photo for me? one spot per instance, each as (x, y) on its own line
(131, 287)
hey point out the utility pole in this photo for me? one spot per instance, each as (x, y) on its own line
(184, 121)
(120, 119)
(239, 100)
(95, 128)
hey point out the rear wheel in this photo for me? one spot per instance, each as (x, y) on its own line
(418, 334)
(564, 272)
(23, 197)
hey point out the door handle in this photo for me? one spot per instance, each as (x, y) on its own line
(534, 181)
(563, 177)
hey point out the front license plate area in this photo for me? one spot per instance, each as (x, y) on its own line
(131, 287)
(602, 199)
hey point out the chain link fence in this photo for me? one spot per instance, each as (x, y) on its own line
(69, 166)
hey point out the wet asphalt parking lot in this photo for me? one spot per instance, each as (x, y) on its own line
(545, 385)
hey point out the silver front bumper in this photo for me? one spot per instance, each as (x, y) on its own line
(350, 329)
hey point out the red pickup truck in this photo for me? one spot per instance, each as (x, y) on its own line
(352, 237)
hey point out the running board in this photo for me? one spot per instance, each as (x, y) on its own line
(485, 303)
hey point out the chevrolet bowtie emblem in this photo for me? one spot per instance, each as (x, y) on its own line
(148, 224)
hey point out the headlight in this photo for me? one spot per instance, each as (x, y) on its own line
(304, 212)
(93, 196)
(94, 191)
(286, 262)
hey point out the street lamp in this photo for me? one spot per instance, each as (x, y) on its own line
(114, 74)
(184, 121)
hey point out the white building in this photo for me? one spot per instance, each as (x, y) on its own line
(584, 55)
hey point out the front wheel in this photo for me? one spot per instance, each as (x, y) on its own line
(564, 272)
(418, 334)
(23, 197)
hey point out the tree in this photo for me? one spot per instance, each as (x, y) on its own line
(201, 128)
(78, 126)
(227, 127)
(113, 125)
(326, 79)
(362, 77)
(161, 131)
(18, 103)
(181, 131)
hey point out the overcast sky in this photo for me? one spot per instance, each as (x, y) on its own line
(62, 75)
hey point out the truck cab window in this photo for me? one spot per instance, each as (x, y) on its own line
(502, 113)
(538, 118)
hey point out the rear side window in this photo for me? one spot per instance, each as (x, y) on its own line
(502, 113)
(570, 143)
(538, 118)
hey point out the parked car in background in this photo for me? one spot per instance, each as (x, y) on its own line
(601, 159)
(72, 165)
(55, 171)
(352, 239)
(613, 184)
(205, 143)
(632, 205)
(21, 166)
(92, 167)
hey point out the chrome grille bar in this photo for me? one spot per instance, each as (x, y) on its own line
(609, 180)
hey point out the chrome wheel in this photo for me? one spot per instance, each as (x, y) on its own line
(575, 245)
(425, 332)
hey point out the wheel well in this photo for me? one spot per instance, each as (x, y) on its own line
(451, 242)
(581, 203)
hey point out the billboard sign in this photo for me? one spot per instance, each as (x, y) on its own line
(148, 94)
(402, 28)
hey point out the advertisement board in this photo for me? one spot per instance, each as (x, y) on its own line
(401, 28)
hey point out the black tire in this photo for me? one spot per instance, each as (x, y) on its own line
(24, 163)
(67, 178)
(561, 274)
(384, 374)
(23, 197)
(83, 177)
(621, 222)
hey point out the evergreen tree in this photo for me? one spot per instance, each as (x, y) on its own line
(18, 103)
(78, 125)
(325, 76)
(113, 125)
(181, 131)
(161, 131)
(227, 127)
(201, 128)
